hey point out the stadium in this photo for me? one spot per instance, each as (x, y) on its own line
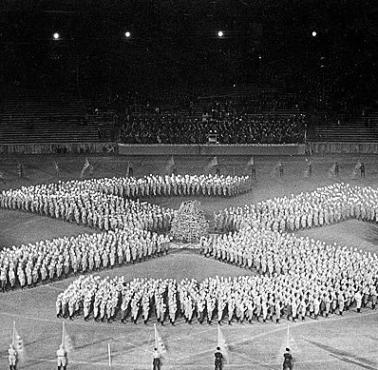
(188, 185)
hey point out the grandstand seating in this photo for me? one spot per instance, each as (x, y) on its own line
(230, 128)
(359, 129)
(30, 118)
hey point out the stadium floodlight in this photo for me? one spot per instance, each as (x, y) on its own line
(127, 34)
(220, 34)
(314, 33)
(56, 36)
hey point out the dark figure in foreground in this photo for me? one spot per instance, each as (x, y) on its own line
(20, 170)
(309, 168)
(362, 169)
(288, 360)
(218, 359)
(280, 169)
(337, 169)
(253, 172)
(131, 171)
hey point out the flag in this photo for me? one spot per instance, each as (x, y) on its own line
(308, 169)
(332, 171)
(250, 168)
(277, 169)
(85, 167)
(18, 343)
(288, 337)
(109, 356)
(20, 169)
(290, 343)
(159, 344)
(251, 162)
(356, 169)
(66, 340)
(171, 161)
(57, 169)
(223, 345)
(170, 166)
(129, 169)
(213, 162)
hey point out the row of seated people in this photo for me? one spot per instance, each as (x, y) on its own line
(253, 104)
(231, 129)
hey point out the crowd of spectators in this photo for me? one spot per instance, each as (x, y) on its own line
(252, 104)
(230, 128)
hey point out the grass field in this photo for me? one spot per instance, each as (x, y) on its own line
(348, 342)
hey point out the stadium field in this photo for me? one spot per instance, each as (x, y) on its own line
(348, 342)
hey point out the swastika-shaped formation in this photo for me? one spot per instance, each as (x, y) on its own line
(298, 276)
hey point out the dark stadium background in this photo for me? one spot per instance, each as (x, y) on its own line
(174, 46)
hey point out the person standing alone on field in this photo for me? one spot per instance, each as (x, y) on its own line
(288, 360)
(61, 355)
(12, 358)
(362, 169)
(218, 359)
(156, 363)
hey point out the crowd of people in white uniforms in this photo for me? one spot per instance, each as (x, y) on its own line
(297, 274)
(216, 299)
(323, 206)
(75, 201)
(174, 185)
(48, 260)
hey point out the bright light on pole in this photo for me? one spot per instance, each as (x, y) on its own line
(56, 36)
(220, 33)
(127, 34)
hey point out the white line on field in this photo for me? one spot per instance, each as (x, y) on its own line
(29, 289)
(53, 288)
(245, 338)
(295, 325)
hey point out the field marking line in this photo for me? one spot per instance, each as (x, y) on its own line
(49, 286)
(207, 365)
(295, 325)
(245, 357)
(89, 324)
(192, 333)
(29, 289)
(92, 323)
(134, 345)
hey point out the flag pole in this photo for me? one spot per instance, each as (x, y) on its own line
(13, 332)
(109, 357)
(155, 336)
(63, 333)
(287, 337)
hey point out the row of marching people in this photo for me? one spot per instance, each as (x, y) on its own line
(173, 185)
(221, 299)
(48, 260)
(343, 272)
(88, 207)
(323, 206)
